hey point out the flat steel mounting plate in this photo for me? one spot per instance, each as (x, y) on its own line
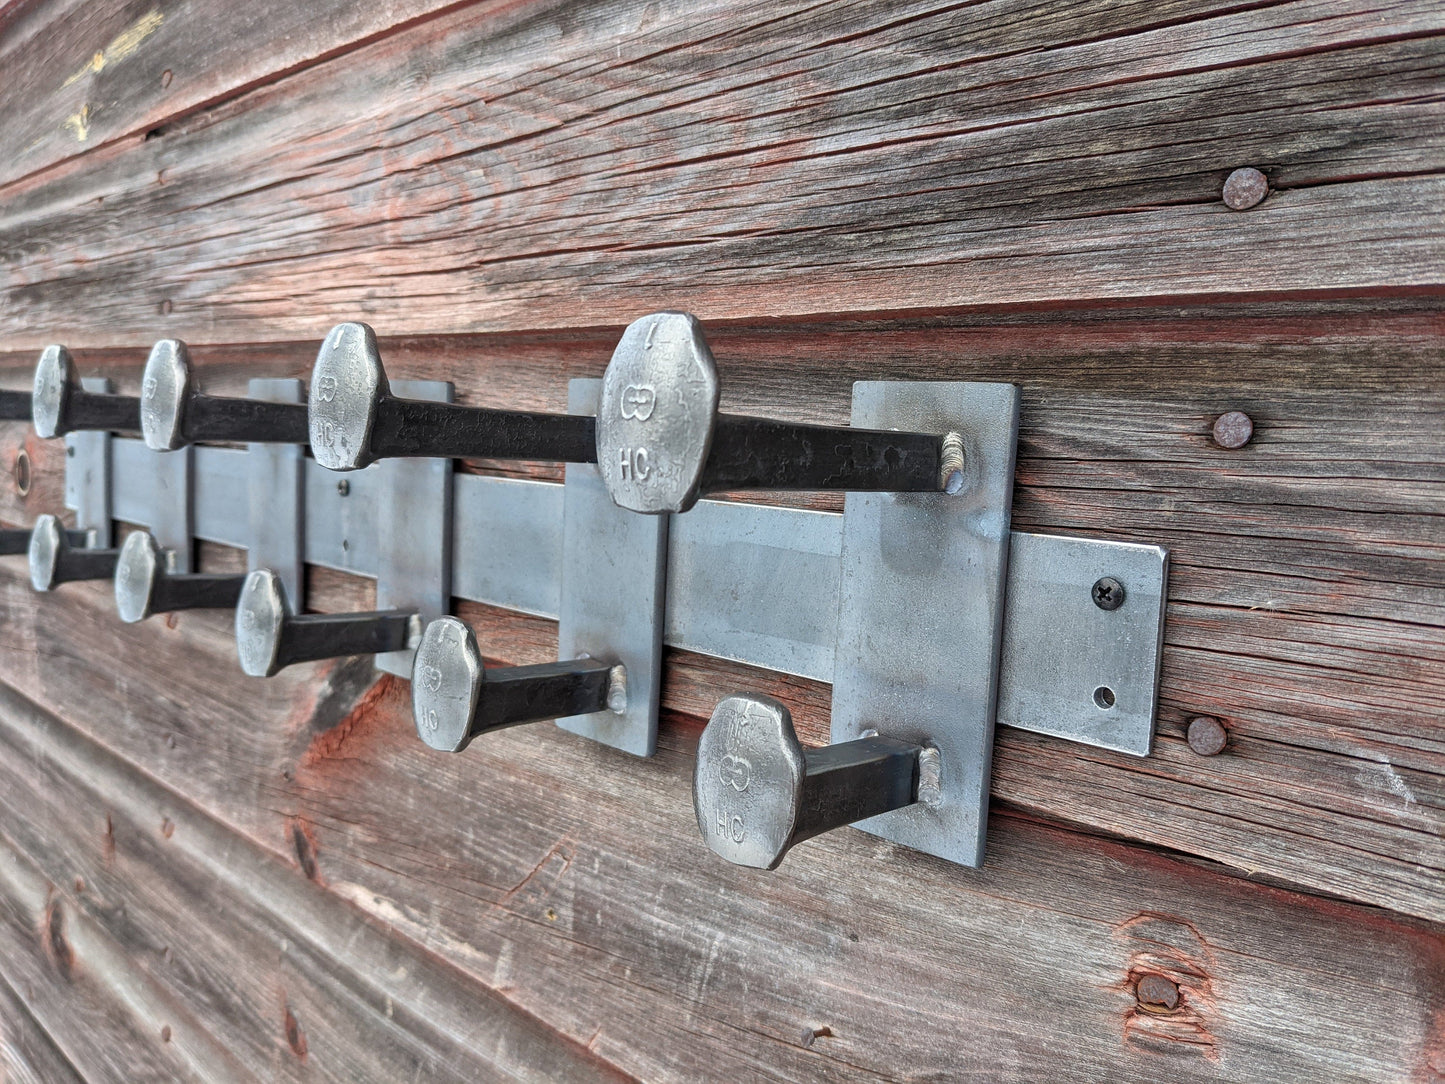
(613, 567)
(277, 492)
(413, 510)
(921, 600)
(1069, 668)
(88, 475)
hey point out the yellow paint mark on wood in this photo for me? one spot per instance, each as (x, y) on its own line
(124, 44)
(79, 123)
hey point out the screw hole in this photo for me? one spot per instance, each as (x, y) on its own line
(22, 473)
(1104, 697)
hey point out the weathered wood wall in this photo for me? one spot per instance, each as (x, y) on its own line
(213, 877)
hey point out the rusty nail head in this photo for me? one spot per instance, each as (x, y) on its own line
(1108, 593)
(810, 1035)
(1233, 430)
(1155, 992)
(1245, 188)
(1207, 736)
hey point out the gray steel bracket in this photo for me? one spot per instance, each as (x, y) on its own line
(173, 513)
(277, 498)
(88, 476)
(412, 521)
(613, 567)
(754, 583)
(921, 608)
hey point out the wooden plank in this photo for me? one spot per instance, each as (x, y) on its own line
(583, 165)
(84, 74)
(294, 984)
(27, 1053)
(1307, 593)
(569, 879)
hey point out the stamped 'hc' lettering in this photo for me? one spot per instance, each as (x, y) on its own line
(634, 464)
(730, 827)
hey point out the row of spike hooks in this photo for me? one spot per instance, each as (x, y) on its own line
(658, 441)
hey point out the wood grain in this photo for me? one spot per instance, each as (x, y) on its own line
(28, 1053)
(580, 165)
(1306, 594)
(595, 909)
(125, 881)
(84, 74)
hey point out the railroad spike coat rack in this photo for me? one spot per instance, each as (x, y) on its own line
(930, 616)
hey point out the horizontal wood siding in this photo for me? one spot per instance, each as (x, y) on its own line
(581, 165)
(204, 876)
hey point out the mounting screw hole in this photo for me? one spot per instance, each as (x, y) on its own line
(1104, 697)
(22, 473)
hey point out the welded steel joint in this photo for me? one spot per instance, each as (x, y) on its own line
(270, 638)
(661, 442)
(59, 405)
(54, 560)
(454, 697)
(356, 420)
(144, 585)
(173, 414)
(757, 792)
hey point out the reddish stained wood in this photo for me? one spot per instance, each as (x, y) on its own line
(746, 161)
(595, 909)
(84, 74)
(1308, 623)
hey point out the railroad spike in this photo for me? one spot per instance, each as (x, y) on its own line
(758, 793)
(454, 698)
(59, 405)
(270, 638)
(174, 414)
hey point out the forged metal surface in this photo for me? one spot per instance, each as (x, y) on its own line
(454, 697)
(276, 493)
(759, 453)
(60, 403)
(269, 638)
(143, 586)
(656, 415)
(757, 792)
(414, 534)
(54, 561)
(358, 417)
(165, 389)
(173, 414)
(921, 602)
(15, 405)
(752, 583)
(613, 564)
(661, 441)
(347, 382)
